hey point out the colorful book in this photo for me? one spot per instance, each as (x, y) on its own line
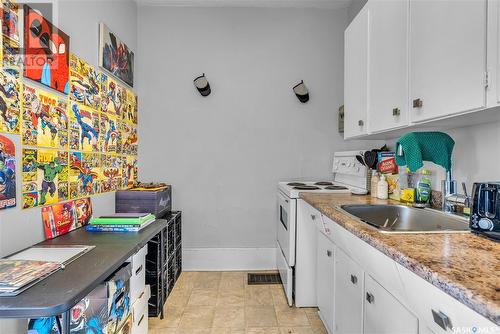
(114, 220)
(117, 228)
(18, 275)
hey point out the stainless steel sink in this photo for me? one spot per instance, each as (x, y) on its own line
(403, 219)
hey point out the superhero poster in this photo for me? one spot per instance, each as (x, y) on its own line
(115, 56)
(84, 83)
(10, 20)
(129, 171)
(61, 218)
(129, 138)
(113, 96)
(111, 178)
(84, 174)
(7, 173)
(10, 111)
(45, 122)
(44, 177)
(83, 128)
(46, 51)
(129, 113)
(109, 134)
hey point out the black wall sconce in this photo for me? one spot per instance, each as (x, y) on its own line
(301, 92)
(201, 83)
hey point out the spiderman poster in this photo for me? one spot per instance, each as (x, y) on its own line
(115, 56)
(46, 51)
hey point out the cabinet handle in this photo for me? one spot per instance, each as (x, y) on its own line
(140, 320)
(329, 253)
(418, 103)
(361, 123)
(354, 279)
(441, 319)
(396, 112)
(370, 298)
(313, 217)
(138, 270)
(286, 201)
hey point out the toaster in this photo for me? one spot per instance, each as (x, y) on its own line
(485, 214)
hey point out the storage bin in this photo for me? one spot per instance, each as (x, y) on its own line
(140, 312)
(157, 202)
(138, 278)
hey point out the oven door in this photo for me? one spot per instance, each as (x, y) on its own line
(286, 227)
(286, 274)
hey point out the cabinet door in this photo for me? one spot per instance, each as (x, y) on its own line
(383, 313)
(325, 279)
(348, 305)
(388, 65)
(493, 61)
(356, 76)
(447, 57)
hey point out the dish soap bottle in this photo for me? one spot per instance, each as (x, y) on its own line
(382, 188)
(374, 184)
(423, 187)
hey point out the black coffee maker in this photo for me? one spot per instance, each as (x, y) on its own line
(485, 215)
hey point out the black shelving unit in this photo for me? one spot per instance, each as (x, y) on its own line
(164, 262)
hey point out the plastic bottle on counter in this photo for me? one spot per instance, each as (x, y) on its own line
(423, 187)
(374, 183)
(382, 188)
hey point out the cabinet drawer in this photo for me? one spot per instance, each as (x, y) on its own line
(140, 312)
(440, 312)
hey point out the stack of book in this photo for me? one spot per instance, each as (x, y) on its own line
(18, 275)
(121, 222)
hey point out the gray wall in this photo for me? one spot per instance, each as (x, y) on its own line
(354, 9)
(79, 19)
(224, 154)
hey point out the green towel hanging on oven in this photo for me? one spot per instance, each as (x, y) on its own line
(418, 147)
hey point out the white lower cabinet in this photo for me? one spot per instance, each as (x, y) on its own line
(348, 301)
(383, 313)
(325, 279)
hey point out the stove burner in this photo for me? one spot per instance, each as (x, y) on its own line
(296, 184)
(336, 188)
(304, 187)
(324, 183)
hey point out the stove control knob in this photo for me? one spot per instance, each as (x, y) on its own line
(485, 224)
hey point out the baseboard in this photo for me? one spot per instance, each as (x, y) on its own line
(228, 259)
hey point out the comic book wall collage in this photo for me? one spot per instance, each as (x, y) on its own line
(75, 145)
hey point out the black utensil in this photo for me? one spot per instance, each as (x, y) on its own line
(371, 159)
(360, 159)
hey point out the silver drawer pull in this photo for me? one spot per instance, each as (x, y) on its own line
(441, 319)
(313, 217)
(361, 122)
(418, 103)
(329, 253)
(140, 320)
(370, 298)
(138, 270)
(354, 279)
(396, 112)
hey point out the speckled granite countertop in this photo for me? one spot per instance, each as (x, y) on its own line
(464, 265)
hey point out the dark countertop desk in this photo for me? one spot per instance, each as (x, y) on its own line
(62, 290)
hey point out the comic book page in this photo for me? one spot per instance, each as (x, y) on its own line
(111, 167)
(84, 174)
(129, 113)
(44, 177)
(128, 135)
(10, 91)
(84, 83)
(83, 207)
(113, 96)
(10, 20)
(59, 219)
(10, 54)
(83, 128)
(109, 134)
(7, 173)
(45, 122)
(129, 171)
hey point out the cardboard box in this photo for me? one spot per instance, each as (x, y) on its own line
(118, 293)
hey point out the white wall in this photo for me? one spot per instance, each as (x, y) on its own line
(79, 19)
(224, 154)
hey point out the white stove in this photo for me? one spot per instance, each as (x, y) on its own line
(349, 175)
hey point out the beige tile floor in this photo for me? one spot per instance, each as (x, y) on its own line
(223, 303)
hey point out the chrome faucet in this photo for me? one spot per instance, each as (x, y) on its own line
(451, 198)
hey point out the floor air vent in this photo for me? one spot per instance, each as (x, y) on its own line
(263, 278)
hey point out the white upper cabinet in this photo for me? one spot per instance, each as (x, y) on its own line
(356, 75)
(493, 62)
(388, 65)
(447, 57)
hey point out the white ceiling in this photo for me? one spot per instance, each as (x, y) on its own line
(332, 4)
